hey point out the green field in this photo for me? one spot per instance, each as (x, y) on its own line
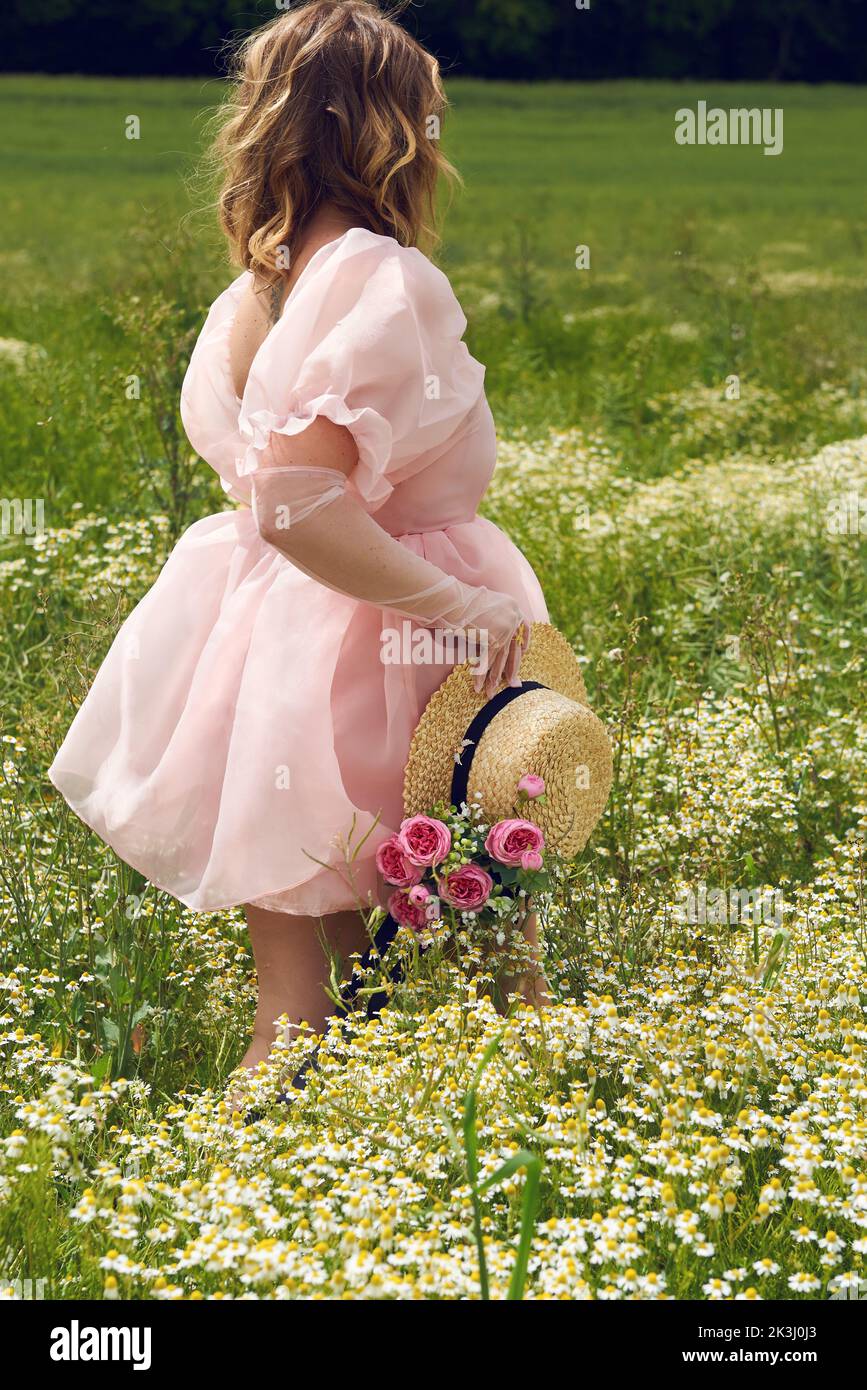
(763, 256)
(698, 1095)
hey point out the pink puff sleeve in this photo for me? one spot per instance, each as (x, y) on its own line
(370, 337)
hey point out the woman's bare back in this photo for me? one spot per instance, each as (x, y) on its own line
(261, 305)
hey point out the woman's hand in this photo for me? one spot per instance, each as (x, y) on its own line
(506, 640)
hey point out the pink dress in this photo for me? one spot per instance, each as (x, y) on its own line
(243, 728)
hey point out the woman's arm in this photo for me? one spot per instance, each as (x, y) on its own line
(302, 508)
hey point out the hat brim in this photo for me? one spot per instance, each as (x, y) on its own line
(438, 738)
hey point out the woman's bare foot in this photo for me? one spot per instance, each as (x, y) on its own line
(259, 1049)
(238, 1088)
(255, 1059)
(535, 989)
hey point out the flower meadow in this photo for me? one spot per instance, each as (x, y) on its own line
(690, 1112)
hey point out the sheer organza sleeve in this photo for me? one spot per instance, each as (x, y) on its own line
(310, 516)
(370, 339)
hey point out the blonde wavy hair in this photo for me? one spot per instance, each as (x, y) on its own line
(333, 103)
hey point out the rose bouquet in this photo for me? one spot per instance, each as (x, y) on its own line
(451, 870)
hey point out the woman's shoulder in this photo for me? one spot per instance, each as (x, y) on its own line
(361, 241)
(379, 269)
(359, 251)
(361, 264)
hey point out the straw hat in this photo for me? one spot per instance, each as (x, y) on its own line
(465, 744)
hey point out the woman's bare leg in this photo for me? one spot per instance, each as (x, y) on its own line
(532, 982)
(293, 970)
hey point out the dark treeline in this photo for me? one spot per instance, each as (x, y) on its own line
(786, 40)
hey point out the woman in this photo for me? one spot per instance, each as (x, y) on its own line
(244, 740)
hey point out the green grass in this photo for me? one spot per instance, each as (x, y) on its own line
(683, 544)
(676, 234)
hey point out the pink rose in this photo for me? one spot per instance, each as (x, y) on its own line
(531, 784)
(419, 895)
(509, 839)
(394, 866)
(467, 888)
(406, 913)
(531, 859)
(424, 841)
